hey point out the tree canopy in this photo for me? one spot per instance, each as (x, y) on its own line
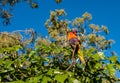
(47, 60)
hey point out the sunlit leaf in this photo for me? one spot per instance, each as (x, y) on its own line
(50, 72)
(98, 65)
(111, 69)
(33, 79)
(31, 53)
(61, 78)
(118, 66)
(46, 79)
(113, 58)
(96, 57)
(101, 54)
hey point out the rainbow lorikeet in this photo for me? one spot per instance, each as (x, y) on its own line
(74, 42)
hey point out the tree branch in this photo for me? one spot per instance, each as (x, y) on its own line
(72, 59)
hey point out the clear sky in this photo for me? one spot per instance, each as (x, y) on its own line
(104, 12)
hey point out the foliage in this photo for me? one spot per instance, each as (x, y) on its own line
(49, 57)
(6, 14)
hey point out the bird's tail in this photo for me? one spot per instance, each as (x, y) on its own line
(81, 57)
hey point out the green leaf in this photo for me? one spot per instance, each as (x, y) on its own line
(111, 69)
(73, 80)
(118, 66)
(67, 52)
(87, 80)
(17, 47)
(46, 79)
(61, 78)
(34, 79)
(96, 57)
(101, 55)
(70, 74)
(89, 51)
(8, 63)
(50, 72)
(2, 59)
(32, 53)
(113, 58)
(98, 65)
(11, 49)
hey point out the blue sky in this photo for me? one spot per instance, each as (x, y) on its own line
(104, 12)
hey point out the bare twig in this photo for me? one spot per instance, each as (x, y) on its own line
(72, 59)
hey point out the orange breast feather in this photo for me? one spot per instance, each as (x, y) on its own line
(71, 35)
